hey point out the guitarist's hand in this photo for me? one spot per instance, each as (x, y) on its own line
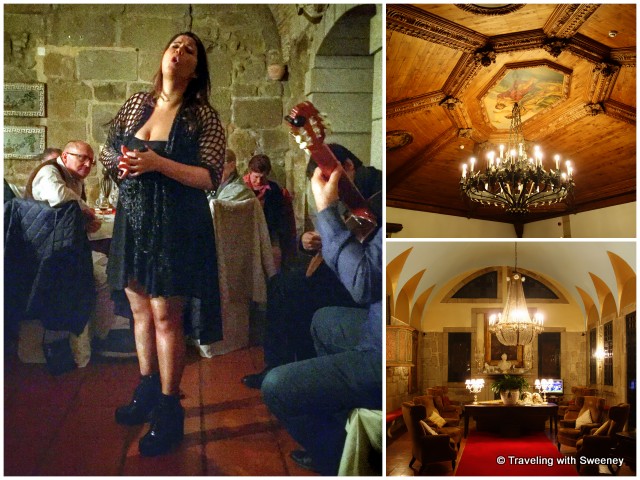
(325, 192)
(311, 241)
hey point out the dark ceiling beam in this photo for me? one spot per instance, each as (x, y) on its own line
(409, 167)
(566, 20)
(620, 111)
(626, 57)
(588, 49)
(417, 23)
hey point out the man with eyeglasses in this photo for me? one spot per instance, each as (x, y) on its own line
(61, 180)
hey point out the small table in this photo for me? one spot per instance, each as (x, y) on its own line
(101, 240)
(510, 418)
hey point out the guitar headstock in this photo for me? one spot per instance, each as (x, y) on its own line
(307, 125)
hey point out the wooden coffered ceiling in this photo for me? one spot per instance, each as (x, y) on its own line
(442, 60)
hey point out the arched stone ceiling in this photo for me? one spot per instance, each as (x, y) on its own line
(568, 264)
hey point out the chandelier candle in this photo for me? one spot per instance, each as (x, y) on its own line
(517, 181)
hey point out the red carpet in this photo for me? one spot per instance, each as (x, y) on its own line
(530, 455)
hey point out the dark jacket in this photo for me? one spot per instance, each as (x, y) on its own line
(48, 270)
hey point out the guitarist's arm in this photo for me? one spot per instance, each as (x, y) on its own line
(358, 265)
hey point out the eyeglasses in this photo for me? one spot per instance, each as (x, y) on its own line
(83, 158)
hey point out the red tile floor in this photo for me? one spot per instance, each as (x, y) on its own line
(65, 425)
(399, 456)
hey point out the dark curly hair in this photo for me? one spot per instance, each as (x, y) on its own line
(199, 88)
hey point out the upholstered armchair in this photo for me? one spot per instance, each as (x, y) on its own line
(450, 427)
(577, 392)
(447, 407)
(425, 447)
(599, 442)
(435, 403)
(569, 434)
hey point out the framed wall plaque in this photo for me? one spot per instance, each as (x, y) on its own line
(24, 142)
(24, 100)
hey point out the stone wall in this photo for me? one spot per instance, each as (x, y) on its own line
(397, 387)
(93, 57)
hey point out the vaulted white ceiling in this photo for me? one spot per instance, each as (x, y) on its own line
(568, 264)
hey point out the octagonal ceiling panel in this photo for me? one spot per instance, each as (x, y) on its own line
(536, 88)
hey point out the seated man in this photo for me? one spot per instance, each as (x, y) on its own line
(272, 199)
(312, 398)
(61, 180)
(295, 295)
(232, 186)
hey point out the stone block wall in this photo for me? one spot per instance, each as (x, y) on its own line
(397, 387)
(93, 57)
(433, 360)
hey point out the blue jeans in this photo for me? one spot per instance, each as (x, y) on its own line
(312, 398)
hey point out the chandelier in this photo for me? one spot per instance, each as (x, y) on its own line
(514, 180)
(514, 326)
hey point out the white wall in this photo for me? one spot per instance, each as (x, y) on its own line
(612, 222)
(432, 225)
(618, 221)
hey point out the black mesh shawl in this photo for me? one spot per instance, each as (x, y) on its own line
(195, 125)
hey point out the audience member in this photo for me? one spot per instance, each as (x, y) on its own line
(232, 186)
(272, 199)
(313, 398)
(60, 180)
(295, 295)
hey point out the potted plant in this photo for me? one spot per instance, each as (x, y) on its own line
(509, 387)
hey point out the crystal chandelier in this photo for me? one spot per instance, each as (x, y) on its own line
(514, 326)
(514, 180)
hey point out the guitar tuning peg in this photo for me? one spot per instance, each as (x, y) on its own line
(303, 145)
(298, 138)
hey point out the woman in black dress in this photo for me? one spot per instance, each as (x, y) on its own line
(166, 147)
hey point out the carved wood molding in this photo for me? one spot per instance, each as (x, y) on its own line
(430, 150)
(417, 23)
(511, 42)
(558, 118)
(460, 118)
(566, 20)
(602, 85)
(462, 74)
(620, 111)
(490, 10)
(626, 57)
(414, 104)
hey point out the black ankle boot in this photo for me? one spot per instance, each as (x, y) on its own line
(167, 428)
(145, 398)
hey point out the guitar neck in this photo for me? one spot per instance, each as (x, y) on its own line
(347, 191)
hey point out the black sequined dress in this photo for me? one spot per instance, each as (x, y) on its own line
(163, 238)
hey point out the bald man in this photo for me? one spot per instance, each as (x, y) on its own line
(61, 180)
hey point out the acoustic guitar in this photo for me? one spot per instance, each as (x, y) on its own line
(307, 127)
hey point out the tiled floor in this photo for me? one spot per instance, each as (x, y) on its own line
(399, 456)
(65, 425)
